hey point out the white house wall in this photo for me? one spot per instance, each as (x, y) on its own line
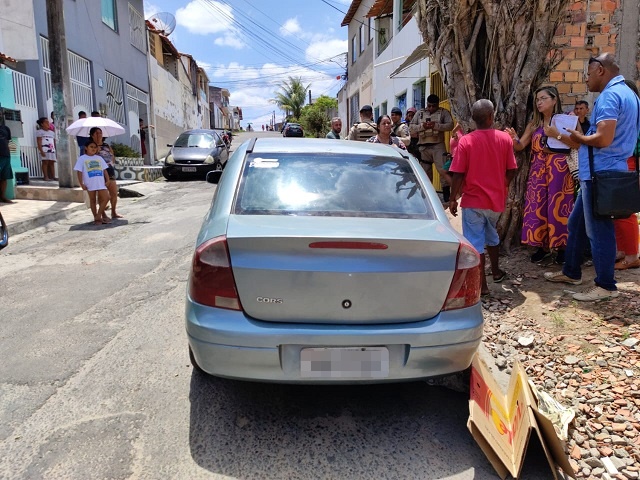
(175, 107)
(402, 44)
(168, 107)
(360, 73)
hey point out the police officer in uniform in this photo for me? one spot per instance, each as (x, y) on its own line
(399, 128)
(430, 123)
(365, 128)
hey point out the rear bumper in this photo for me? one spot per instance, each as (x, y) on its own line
(176, 169)
(229, 344)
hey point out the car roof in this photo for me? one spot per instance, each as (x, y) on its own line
(198, 130)
(323, 145)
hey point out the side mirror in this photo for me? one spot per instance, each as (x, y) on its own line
(214, 176)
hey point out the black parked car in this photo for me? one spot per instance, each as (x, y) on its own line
(195, 152)
(293, 130)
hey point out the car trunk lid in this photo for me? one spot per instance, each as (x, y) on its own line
(288, 269)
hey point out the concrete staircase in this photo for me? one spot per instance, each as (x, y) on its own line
(134, 169)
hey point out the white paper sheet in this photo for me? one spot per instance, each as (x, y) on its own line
(562, 122)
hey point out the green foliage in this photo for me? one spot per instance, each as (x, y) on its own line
(122, 150)
(291, 97)
(316, 118)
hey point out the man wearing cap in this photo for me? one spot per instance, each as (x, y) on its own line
(365, 128)
(399, 128)
(429, 124)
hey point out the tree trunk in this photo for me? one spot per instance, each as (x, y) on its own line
(496, 49)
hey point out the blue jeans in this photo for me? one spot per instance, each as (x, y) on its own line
(583, 227)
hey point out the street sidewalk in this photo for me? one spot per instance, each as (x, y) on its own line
(26, 214)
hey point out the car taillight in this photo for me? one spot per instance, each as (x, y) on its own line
(211, 281)
(467, 280)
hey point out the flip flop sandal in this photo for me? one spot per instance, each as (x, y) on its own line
(500, 278)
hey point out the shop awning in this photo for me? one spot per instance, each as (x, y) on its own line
(420, 53)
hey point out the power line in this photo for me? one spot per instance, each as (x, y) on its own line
(250, 33)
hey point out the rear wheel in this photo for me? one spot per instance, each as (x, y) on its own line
(195, 365)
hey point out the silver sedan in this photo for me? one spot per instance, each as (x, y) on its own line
(326, 261)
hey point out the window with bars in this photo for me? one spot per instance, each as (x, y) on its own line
(115, 98)
(152, 45)
(136, 29)
(109, 14)
(79, 73)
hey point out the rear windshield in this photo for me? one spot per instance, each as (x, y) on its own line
(199, 140)
(330, 185)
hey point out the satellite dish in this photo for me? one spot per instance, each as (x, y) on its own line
(163, 22)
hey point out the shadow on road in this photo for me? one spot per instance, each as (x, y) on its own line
(116, 222)
(409, 430)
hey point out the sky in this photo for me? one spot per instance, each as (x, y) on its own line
(251, 46)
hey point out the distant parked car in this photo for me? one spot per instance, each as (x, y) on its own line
(195, 153)
(293, 130)
(328, 262)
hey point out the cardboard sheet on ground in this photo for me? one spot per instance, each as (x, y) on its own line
(502, 424)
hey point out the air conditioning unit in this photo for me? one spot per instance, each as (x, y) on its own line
(13, 120)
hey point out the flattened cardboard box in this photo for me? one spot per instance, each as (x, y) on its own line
(502, 424)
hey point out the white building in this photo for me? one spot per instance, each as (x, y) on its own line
(387, 60)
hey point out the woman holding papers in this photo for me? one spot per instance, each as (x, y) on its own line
(549, 196)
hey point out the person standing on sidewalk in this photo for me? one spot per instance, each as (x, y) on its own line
(82, 141)
(612, 136)
(47, 148)
(430, 123)
(483, 196)
(6, 173)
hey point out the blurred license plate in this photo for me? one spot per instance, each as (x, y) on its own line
(189, 169)
(351, 362)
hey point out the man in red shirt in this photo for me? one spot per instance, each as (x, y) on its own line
(482, 169)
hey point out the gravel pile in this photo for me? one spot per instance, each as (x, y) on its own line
(586, 356)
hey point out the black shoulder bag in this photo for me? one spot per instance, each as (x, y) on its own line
(615, 194)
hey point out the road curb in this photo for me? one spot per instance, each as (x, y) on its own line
(21, 226)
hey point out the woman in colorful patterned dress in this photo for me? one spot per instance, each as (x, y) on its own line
(549, 196)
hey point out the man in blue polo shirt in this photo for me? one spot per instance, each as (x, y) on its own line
(613, 133)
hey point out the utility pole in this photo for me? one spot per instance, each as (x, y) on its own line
(60, 90)
(309, 96)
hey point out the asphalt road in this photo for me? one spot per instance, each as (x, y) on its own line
(95, 380)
